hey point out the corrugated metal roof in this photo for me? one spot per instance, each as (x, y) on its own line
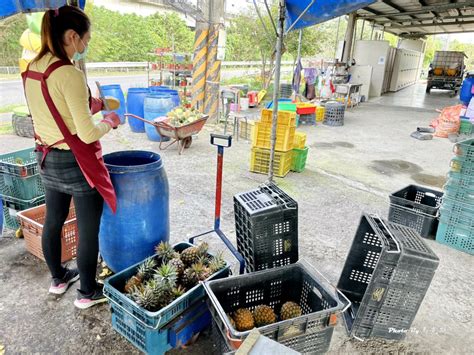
(416, 18)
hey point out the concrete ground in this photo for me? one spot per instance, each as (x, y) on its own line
(350, 170)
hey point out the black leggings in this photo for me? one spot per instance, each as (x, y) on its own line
(88, 213)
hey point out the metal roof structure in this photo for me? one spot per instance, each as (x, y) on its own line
(418, 18)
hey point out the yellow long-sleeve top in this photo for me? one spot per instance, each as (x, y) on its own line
(68, 89)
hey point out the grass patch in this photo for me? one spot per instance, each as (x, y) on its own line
(9, 108)
(6, 128)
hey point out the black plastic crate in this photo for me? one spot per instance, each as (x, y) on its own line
(299, 282)
(307, 119)
(423, 223)
(418, 198)
(266, 223)
(387, 273)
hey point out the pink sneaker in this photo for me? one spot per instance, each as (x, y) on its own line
(60, 286)
(85, 301)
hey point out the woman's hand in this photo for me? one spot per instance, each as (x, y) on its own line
(112, 119)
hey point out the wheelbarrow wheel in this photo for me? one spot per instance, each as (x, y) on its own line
(187, 142)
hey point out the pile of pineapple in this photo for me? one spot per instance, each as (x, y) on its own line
(181, 116)
(160, 281)
(243, 319)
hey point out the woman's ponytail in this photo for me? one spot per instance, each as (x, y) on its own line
(55, 23)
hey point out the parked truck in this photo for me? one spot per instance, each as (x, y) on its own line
(446, 71)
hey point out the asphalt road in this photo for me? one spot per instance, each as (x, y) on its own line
(11, 91)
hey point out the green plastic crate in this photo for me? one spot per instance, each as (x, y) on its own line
(19, 163)
(23, 188)
(465, 127)
(299, 159)
(11, 206)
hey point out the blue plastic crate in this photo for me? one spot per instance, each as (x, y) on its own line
(462, 166)
(459, 193)
(456, 236)
(146, 340)
(460, 180)
(175, 335)
(24, 188)
(20, 163)
(189, 324)
(114, 285)
(457, 213)
(465, 149)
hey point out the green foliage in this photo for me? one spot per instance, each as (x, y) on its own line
(129, 37)
(467, 48)
(10, 33)
(115, 36)
(433, 44)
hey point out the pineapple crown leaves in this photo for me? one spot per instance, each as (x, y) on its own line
(146, 268)
(166, 274)
(217, 263)
(166, 251)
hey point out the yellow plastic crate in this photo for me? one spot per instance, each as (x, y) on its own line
(285, 118)
(246, 129)
(320, 114)
(285, 136)
(260, 162)
(300, 140)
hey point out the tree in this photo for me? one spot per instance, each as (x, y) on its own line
(10, 33)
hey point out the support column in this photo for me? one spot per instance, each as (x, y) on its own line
(213, 65)
(199, 65)
(348, 39)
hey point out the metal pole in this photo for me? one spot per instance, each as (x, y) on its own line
(337, 36)
(372, 32)
(276, 83)
(300, 36)
(362, 32)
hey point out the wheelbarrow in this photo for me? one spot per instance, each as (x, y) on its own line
(182, 134)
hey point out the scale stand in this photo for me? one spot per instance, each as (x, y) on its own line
(221, 141)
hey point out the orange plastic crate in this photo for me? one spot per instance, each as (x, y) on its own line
(32, 221)
(260, 162)
(285, 118)
(285, 136)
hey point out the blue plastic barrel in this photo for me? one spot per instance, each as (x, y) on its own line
(142, 218)
(115, 91)
(156, 105)
(135, 105)
(466, 89)
(158, 88)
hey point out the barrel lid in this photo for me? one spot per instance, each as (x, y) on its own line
(132, 161)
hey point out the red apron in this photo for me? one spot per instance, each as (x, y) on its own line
(88, 156)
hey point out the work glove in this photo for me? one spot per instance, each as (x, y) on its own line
(112, 119)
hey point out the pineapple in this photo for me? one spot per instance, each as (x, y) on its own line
(187, 279)
(191, 255)
(264, 315)
(178, 292)
(166, 276)
(217, 263)
(166, 252)
(146, 297)
(144, 271)
(178, 265)
(243, 319)
(290, 310)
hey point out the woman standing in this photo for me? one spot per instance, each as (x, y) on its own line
(68, 148)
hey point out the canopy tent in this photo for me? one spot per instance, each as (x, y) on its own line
(12, 7)
(306, 13)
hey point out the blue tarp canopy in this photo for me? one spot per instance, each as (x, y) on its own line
(320, 11)
(12, 7)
